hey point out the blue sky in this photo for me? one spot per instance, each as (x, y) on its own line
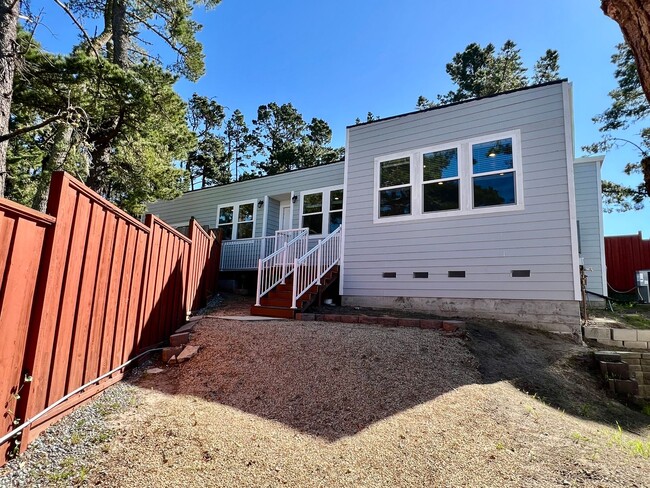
(337, 60)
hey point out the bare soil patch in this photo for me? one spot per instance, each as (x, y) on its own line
(286, 403)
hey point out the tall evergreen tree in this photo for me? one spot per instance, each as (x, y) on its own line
(481, 71)
(629, 108)
(238, 142)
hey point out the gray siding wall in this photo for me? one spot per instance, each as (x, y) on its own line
(590, 215)
(486, 246)
(202, 204)
(273, 217)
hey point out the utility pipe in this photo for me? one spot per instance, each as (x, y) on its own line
(29, 422)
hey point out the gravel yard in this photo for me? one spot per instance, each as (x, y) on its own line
(284, 403)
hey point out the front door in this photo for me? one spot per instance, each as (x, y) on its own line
(285, 217)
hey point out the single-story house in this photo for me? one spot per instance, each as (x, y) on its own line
(473, 209)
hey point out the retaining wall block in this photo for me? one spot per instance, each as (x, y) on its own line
(635, 344)
(624, 335)
(598, 333)
(626, 387)
(643, 335)
(611, 356)
(610, 342)
(615, 370)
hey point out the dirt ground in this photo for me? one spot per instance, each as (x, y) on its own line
(285, 403)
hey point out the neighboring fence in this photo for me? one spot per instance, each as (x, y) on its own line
(83, 289)
(624, 255)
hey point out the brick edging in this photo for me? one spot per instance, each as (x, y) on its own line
(386, 321)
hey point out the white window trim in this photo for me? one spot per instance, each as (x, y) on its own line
(464, 148)
(326, 191)
(235, 216)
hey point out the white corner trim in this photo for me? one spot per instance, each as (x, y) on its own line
(567, 102)
(291, 205)
(601, 230)
(345, 210)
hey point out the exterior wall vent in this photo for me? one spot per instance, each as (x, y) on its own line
(421, 274)
(455, 274)
(390, 274)
(520, 273)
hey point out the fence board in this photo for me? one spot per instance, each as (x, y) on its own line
(22, 233)
(83, 290)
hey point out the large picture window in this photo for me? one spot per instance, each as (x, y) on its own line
(322, 210)
(237, 220)
(464, 177)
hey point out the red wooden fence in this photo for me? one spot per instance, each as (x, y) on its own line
(83, 289)
(624, 255)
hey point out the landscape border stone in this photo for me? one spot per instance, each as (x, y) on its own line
(386, 321)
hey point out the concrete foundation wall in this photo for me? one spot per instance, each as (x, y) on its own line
(553, 315)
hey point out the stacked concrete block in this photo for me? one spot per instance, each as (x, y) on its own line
(627, 373)
(625, 338)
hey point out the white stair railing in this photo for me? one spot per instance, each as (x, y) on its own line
(274, 269)
(282, 237)
(310, 268)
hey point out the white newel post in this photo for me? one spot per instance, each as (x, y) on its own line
(284, 263)
(295, 284)
(259, 282)
(320, 254)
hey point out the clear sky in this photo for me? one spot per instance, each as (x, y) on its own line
(339, 59)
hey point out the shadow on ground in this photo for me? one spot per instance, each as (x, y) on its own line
(558, 371)
(334, 380)
(327, 380)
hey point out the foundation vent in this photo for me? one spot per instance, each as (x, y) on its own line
(455, 274)
(421, 274)
(520, 273)
(390, 274)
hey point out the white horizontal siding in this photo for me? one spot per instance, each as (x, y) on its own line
(487, 246)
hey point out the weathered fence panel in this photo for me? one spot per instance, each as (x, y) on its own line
(624, 255)
(22, 232)
(82, 290)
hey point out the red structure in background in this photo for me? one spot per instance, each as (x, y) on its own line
(624, 255)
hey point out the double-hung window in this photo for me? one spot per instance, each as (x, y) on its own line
(237, 220)
(463, 177)
(322, 210)
(395, 187)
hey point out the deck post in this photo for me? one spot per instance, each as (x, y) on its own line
(259, 282)
(320, 266)
(295, 284)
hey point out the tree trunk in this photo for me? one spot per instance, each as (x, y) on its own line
(120, 34)
(633, 17)
(9, 11)
(53, 162)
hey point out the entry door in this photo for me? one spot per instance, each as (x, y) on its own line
(285, 217)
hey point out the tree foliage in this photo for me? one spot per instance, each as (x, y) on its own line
(618, 125)
(481, 71)
(132, 116)
(283, 141)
